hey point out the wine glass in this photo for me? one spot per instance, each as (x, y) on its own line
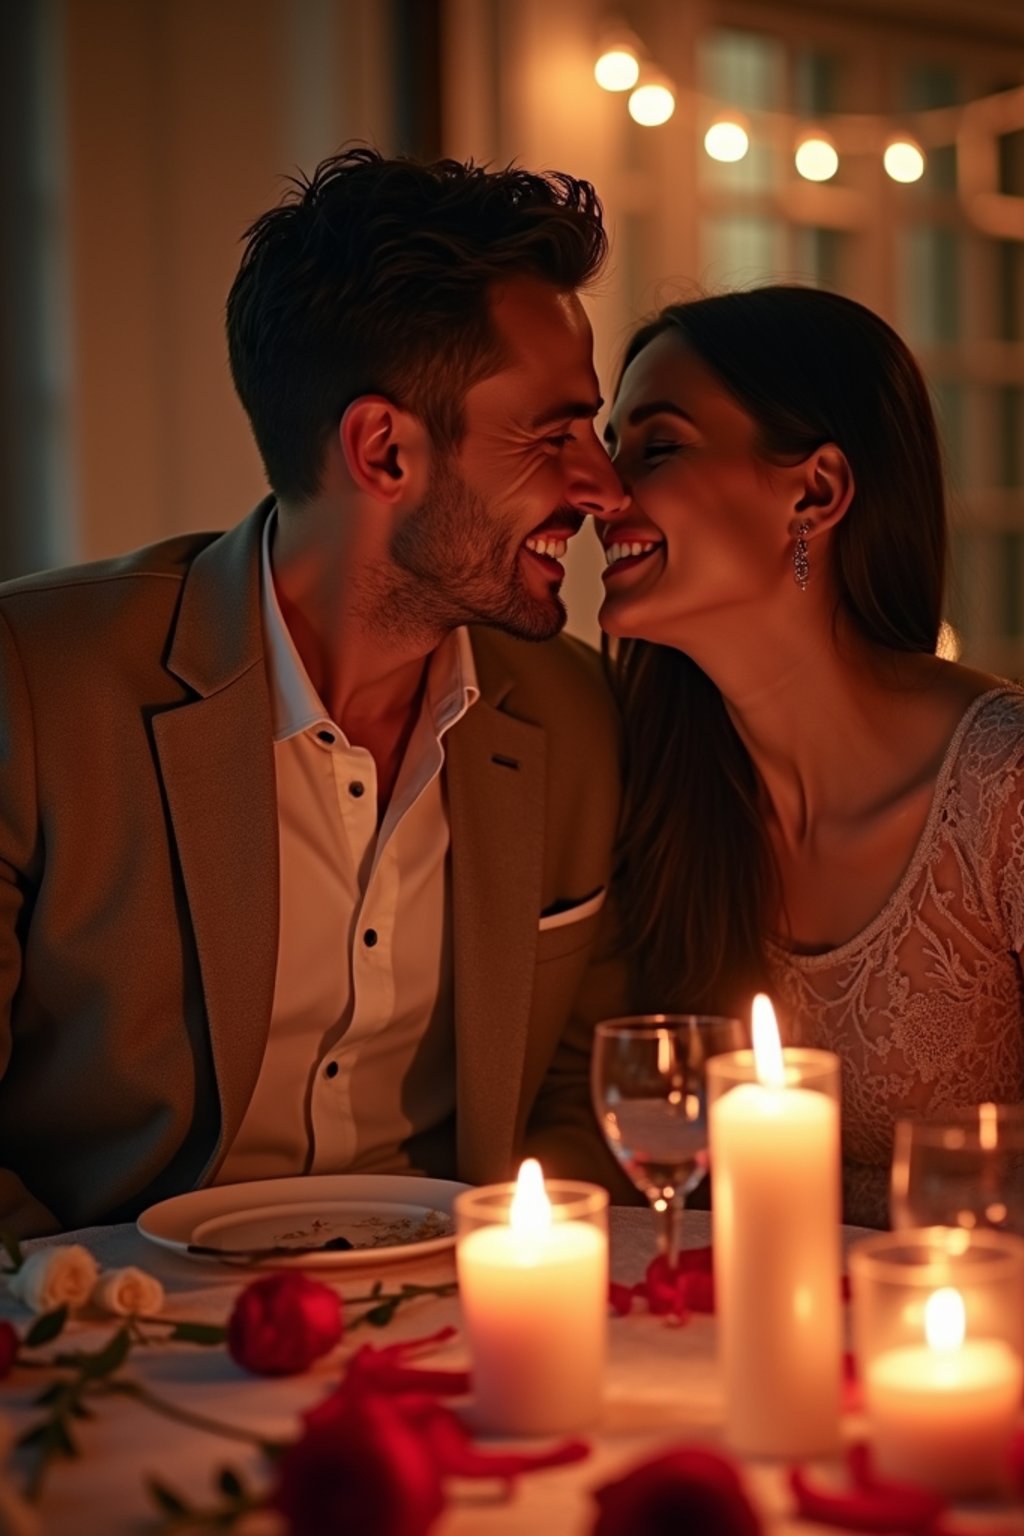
(965, 1169)
(647, 1084)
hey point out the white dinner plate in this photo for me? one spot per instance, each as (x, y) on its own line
(385, 1217)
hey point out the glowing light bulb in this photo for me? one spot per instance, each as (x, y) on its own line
(903, 160)
(618, 69)
(816, 159)
(652, 104)
(727, 141)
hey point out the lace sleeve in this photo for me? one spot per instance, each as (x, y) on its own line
(1001, 806)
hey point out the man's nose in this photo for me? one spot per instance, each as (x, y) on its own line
(597, 490)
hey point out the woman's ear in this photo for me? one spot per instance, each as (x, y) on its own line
(386, 451)
(825, 493)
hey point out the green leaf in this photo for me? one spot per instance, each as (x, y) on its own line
(380, 1316)
(230, 1484)
(12, 1248)
(46, 1327)
(34, 1434)
(166, 1499)
(198, 1333)
(110, 1358)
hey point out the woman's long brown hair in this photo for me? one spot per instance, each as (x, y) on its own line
(698, 883)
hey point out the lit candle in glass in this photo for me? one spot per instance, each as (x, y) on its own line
(774, 1120)
(533, 1286)
(939, 1336)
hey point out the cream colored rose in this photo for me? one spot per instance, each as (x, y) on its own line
(128, 1292)
(55, 1277)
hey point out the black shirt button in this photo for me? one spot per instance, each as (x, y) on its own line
(370, 937)
(356, 790)
(331, 1069)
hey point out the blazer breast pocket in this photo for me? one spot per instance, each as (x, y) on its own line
(568, 927)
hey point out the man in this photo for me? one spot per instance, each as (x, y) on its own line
(304, 837)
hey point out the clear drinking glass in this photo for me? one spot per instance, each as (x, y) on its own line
(963, 1170)
(648, 1087)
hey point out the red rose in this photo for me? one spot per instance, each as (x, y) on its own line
(358, 1467)
(8, 1349)
(283, 1322)
(691, 1489)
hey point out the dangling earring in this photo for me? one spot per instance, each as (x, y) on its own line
(801, 564)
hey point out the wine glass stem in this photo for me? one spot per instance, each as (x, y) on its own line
(670, 1230)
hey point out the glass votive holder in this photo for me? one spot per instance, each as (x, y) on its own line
(939, 1334)
(533, 1290)
(963, 1169)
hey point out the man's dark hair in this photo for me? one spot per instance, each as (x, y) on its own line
(374, 277)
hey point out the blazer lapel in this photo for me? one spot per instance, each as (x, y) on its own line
(216, 758)
(496, 787)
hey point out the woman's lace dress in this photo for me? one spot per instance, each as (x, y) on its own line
(925, 1006)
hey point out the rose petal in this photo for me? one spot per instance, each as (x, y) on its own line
(455, 1455)
(128, 1292)
(362, 1469)
(55, 1277)
(8, 1348)
(692, 1489)
(282, 1323)
(893, 1508)
(620, 1298)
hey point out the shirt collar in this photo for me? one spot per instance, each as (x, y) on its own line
(295, 705)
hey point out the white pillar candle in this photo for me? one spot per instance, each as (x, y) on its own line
(534, 1296)
(943, 1413)
(776, 1208)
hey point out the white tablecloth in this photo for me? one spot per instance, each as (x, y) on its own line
(662, 1388)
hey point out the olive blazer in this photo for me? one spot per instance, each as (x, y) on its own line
(139, 884)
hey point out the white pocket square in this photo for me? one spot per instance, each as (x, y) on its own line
(573, 914)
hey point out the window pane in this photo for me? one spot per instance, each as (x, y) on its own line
(931, 285)
(815, 82)
(934, 85)
(741, 248)
(819, 255)
(1011, 560)
(948, 399)
(1009, 429)
(744, 70)
(1009, 291)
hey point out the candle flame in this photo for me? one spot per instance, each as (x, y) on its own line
(945, 1320)
(530, 1212)
(768, 1062)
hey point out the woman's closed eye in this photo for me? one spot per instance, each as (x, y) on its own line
(659, 447)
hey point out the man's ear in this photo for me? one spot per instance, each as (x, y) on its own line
(386, 450)
(825, 491)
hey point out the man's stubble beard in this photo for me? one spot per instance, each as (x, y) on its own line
(453, 562)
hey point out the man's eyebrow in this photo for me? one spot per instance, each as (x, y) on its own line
(570, 410)
(645, 412)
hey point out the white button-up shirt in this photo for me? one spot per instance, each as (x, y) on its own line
(359, 1068)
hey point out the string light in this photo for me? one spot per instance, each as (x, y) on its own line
(903, 160)
(618, 68)
(621, 66)
(727, 140)
(652, 103)
(816, 158)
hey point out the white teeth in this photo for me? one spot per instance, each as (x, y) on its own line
(553, 548)
(615, 552)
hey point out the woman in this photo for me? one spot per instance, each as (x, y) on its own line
(817, 804)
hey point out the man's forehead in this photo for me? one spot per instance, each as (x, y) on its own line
(546, 342)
